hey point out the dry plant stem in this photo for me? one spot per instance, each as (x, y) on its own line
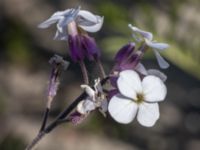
(102, 72)
(84, 72)
(46, 114)
(36, 140)
(62, 118)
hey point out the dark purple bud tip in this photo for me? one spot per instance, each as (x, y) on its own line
(90, 47)
(75, 48)
(124, 52)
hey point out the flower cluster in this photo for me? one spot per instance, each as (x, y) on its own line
(131, 90)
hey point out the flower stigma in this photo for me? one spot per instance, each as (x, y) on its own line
(140, 98)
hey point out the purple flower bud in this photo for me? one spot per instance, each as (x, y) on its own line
(131, 62)
(75, 48)
(124, 52)
(91, 49)
(127, 57)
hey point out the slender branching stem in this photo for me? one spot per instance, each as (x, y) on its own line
(46, 114)
(61, 118)
(36, 140)
(101, 69)
(84, 72)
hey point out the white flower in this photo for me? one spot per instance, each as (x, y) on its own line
(147, 37)
(137, 97)
(95, 99)
(84, 19)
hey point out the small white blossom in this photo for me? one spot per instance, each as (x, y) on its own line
(137, 97)
(83, 19)
(95, 99)
(147, 37)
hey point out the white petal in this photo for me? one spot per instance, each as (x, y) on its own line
(80, 108)
(153, 89)
(89, 105)
(95, 27)
(122, 110)
(141, 69)
(129, 84)
(90, 92)
(49, 22)
(156, 45)
(61, 35)
(148, 114)
(161, 61)
(88, 16)
(144, 34)
(85, 106)
(61, 13)
(53, 19)
(64, 22)
(157, 73)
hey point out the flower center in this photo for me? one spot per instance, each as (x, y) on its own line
(140, 98)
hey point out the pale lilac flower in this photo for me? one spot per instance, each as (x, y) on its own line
(141, 36)
(83, 19)
(96, 99)
(73, 25)
(137, 98)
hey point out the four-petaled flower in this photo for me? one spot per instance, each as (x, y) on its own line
(137, 97)
(64, 19)
(141, 36)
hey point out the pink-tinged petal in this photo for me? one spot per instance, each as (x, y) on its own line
(129, 84)
(157, 73)
(141, 69)
(161, 61)
(122, 110)
(156, 45)
(154, 89)
(144, 34)
(148, 114)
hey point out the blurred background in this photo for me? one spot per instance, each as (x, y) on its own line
(24, 73)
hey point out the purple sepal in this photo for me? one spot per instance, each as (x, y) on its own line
(112, 93)
(90, 47)
(131, 62)
(113, 81)
(124, 52)
(75, 48)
